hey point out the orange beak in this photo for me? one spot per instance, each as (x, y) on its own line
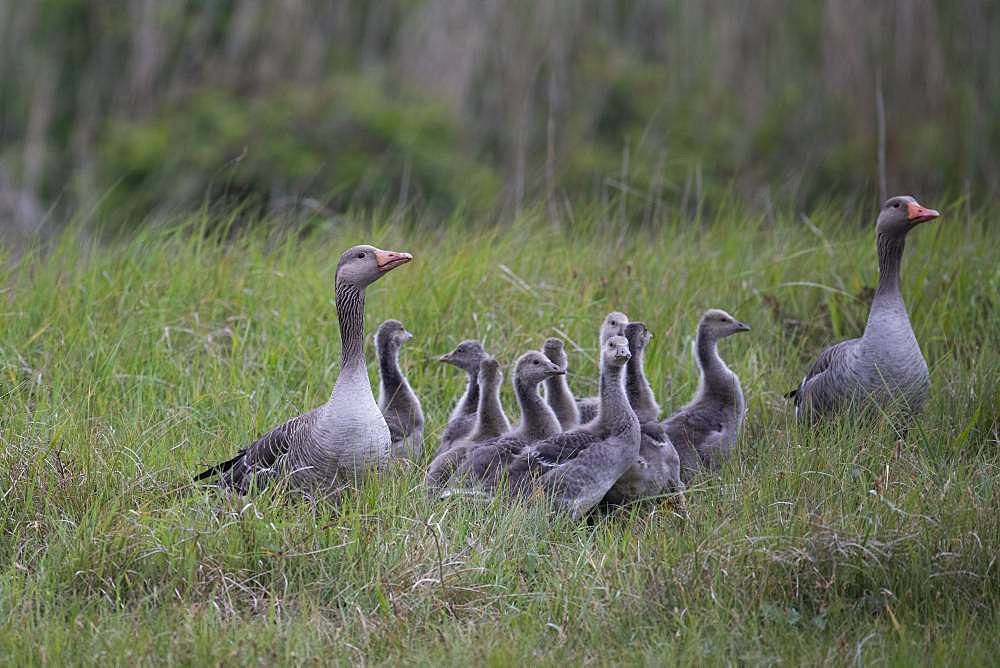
(389, 260)
(918, 214)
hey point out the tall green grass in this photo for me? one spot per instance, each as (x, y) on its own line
(128, 366)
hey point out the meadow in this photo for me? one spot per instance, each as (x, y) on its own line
(127, 365)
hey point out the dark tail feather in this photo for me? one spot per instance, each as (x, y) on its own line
(794, 394)
(220, 470)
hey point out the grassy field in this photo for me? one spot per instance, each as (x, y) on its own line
(126, 367)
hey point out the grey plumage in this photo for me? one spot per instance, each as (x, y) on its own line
(467, 356)
(576, 469)
(556, 389)
(484, 461)
(612, 325)
(656, 470)
(885, 367)
(637, 388)
(704, 431)
(490, 423)
(396, 399)
(347, 436)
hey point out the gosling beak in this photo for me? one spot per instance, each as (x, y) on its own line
(556, 372)
(742, 327)
(407, 335)
(917, 214)
(389, 260)
(447, 358)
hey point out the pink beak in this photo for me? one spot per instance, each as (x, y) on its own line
(389, 260)
(918, 214)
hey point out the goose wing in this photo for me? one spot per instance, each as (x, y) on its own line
(484, 465)
(578, 484)
(458, 428)
(261, 456)
(538, 458)
(824, 379)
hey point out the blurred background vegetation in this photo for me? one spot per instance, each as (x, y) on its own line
(132, 110)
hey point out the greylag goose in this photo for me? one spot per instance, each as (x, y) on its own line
(576, 469)
(335, 443)
(640, 394)
(704, 431)
(538, 421)
(556, 389)
(613, 325)
(399, 404)
(884, 367)
(467, 356)
(657, 469)
(490, 423)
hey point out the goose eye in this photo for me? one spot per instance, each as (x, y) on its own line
(536, 362)
(895, 205)
(361, 256)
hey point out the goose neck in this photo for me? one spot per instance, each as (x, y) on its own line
(389, 371)
(707, 353)
(351, 318)
(490, 418)
(890, 260)
(640, 394)
(558, 394)
(537, 419)
(614, 403)
(469, 403)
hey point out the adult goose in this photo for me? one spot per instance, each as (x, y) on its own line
(538, 422)
(557, 393)
(490, 423)
(704, 431)
(657, 469)
(884, 368)
(467, 356)
(399, 404)
(613, 325)
(335, 443)
(576, 469)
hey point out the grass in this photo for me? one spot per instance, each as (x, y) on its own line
(127, 366)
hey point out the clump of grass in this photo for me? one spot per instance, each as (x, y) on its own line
(127, 367)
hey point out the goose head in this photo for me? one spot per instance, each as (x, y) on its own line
(467, 356)
(555, 352)
(490, 375)
(638, 336)
(616, 352)
(901, 214)
(721, 324)
(534, 367)
(361, 266)
(613, 325)
(390, 336)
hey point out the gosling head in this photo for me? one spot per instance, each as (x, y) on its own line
(467, 356)
(616, 352)
(534, 367)
(361, 266)
(390, 336)
(613, 325)
(901, 214)
(721, 324)
(490, 375)
(638, 336)
(555, 352)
